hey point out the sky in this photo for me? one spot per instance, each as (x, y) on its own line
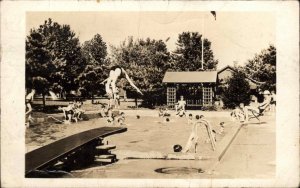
(235, 36)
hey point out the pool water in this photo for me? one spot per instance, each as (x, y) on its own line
(147, 135)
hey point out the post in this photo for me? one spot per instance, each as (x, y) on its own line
(92, 98)
(136, 102)
(44, 101)
(202, 42)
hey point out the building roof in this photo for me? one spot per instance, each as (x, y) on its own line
(226, 67)
(190, 77)
(247, 77)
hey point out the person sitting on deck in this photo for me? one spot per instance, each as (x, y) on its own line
(258, 108)
(180, 104)
(237, 113)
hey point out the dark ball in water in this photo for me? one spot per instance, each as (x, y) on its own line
(177, 148)
(138, 117)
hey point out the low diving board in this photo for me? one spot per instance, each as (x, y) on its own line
(43, 156)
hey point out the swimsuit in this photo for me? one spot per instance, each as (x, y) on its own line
(113, 68)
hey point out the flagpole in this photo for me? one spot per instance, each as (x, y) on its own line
(202, 37)
(202, 42)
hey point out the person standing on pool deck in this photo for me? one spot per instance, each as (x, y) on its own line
(28, 111)
(115, 73)
(30, 95)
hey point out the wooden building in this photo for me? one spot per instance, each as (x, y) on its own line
(225, 73)
(198, 88)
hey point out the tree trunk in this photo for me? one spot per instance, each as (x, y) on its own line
(44, 101)
(92, 98)
(136, 102)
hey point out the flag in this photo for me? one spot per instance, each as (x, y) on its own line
(214, 14)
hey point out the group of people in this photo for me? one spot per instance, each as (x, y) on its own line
(179, 108)
(163, 112)
(112, 118)
(72, 112)
(268, 102)
(195, 122)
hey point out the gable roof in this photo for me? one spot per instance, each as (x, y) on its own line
(226, 67)
(190, 77)
(233, 69)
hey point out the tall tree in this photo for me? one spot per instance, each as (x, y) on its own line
(188, 54)
(94, 53)
(145, 61)
(53, 53)
(263, 68)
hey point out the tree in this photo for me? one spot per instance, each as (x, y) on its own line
(237, 91)
(188, 54)
(53, 53)
(145, 61)
(94, 53)
(41, 86)
(262, 68)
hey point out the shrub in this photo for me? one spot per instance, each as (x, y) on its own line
(209, 108)
(237, 91)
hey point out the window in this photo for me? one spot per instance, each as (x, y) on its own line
(171, 97)
(207, 96)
